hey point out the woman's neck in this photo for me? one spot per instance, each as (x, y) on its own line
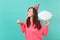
(31, 18)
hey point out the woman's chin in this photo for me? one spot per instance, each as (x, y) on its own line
(29, 16)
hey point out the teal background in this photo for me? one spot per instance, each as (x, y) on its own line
(10, 10)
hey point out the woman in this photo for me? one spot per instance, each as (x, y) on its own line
(32, 27)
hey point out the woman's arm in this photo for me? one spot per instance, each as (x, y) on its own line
(45, 29)
(23, 27)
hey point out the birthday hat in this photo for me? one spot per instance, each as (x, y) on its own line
(37, 7)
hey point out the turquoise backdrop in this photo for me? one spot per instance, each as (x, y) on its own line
(10, 10)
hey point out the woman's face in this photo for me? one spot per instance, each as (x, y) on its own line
(30, 12)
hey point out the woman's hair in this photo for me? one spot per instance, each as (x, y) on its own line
(35, 19)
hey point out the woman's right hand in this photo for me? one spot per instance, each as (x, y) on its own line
(19, 22)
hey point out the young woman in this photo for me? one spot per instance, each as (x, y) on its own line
(32, 27)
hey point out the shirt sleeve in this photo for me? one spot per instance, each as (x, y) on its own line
(45, 29)
(23, 27)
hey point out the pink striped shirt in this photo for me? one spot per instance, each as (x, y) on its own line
(34, 34)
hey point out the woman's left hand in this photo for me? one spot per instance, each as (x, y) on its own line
(47, 22)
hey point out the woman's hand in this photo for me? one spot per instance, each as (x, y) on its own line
(19, 22)
(47, 22)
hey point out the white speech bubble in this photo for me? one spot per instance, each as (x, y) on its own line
(44, 15)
